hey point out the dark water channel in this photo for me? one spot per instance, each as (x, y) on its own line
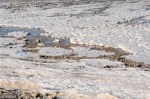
(139, 21)
(33, 34)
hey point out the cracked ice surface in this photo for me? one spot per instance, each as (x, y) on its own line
(91, 29)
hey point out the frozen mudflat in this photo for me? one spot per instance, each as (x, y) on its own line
(75, 49)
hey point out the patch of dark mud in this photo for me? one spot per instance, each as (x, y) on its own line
(118, 52)
(16, 94)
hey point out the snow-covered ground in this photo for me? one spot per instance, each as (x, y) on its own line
(75, 71)
(85, 77)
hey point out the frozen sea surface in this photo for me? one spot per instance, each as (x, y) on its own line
(76, 47)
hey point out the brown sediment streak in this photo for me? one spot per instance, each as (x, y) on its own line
(118, 56)
(33, 40)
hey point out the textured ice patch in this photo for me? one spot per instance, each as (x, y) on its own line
(50, 51)
(9, 41)
(75, 95)
(101, 63)
(16, 52)
(76, 79)
(18, 34)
